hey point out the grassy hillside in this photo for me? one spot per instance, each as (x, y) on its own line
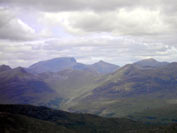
(71, 83)
(165, 114)
(129, 90)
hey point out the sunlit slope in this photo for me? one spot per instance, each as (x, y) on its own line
(72, 83)
(131, 89)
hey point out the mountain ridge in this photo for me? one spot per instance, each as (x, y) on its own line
(150, 62)
(62, 63)
(129, 89)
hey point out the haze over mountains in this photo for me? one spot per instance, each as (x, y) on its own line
(101, 88)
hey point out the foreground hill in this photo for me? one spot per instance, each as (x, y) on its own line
(165, 114)
(26, 118)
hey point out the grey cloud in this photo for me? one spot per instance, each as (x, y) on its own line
(12, 28)
(97, 5)
(137, 22)
(123, 22)
(120, 17)
(117, 31)
(65, 5)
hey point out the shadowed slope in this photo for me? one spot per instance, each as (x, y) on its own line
(21, 118)
(19, 86)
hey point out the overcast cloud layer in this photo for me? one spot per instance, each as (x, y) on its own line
(116, 31)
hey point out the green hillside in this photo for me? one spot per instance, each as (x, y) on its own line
(165, 114)
(131, 89)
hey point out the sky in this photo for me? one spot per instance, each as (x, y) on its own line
(116, 31)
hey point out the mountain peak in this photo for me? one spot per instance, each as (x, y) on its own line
(4, 68)
(104, 67)
(53, 65)
(101, 62)
(150, 62)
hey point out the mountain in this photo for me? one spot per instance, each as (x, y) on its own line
(27, 118)
(53, 65)
(64, 63)
(150, 63)
(4, 68)
(130, 89)
(104, 67)
(19, 86)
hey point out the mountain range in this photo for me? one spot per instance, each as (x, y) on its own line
(102, 88)
(63, 63)
(50, 82)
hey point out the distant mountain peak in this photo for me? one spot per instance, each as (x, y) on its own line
(20, 69)
(54, 65)
(104, 67)
(4, 68)
(150, 62)
(101, 61)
